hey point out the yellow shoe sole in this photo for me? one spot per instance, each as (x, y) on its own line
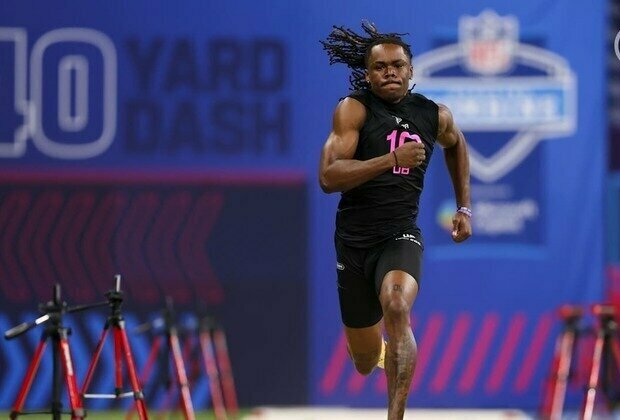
(381, 362)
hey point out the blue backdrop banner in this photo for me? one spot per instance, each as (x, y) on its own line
(240, 95)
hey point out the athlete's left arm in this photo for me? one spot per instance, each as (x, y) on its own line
(450, 137)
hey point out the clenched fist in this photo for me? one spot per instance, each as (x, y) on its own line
(410, 154)
(461, 227)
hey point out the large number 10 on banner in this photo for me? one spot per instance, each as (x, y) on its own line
(71, 111)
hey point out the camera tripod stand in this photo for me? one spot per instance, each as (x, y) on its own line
(603, 370)
(213, 342)
(121, 350)
(168, 343)
(55, 331)
(605, 357)
(562, 362)
(206, 350)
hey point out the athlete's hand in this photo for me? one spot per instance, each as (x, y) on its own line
(461, 227)
(410, 154)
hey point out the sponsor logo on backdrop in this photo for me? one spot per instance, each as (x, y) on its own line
(503, 91)
(177, 96)
(494, 217)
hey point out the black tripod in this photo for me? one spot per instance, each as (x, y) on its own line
(121, 349)
(54, 330)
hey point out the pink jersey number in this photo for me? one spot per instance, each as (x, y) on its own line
(401, 140)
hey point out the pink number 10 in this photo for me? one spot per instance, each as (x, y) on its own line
(401, 140)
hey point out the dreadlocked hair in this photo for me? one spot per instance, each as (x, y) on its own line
(347, 47)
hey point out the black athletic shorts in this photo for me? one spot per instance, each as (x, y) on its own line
(361, 272)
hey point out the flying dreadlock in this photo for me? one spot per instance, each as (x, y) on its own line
(347, 47)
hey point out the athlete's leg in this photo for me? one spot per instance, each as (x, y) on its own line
(364, 346)
(359, 307)
(398, 292)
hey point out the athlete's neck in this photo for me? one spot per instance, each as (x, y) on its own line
(388, 102)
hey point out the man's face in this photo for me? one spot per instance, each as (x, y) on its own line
(389, 71)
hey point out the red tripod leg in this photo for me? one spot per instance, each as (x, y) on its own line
(30, 374)
(228, 383)
(146, 370)
(75, 402)
(206, 347)
(150, 361)
(553, 401)
(564, 363)
(118, 362)
(547, 404)
(131, 369)
(193, 368)
(588, 406)
(94, 360)
(186, 397)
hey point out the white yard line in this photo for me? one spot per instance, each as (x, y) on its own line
(343, 413)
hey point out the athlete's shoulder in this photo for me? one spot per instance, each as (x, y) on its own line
(349, 113)
(421, 100)
(427, 110)
(361, 95)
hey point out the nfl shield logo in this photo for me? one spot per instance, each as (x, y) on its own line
(529, 108)
(489, 42)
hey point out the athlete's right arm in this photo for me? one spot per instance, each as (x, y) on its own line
(338, 171)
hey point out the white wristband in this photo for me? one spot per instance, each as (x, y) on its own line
(465, 210)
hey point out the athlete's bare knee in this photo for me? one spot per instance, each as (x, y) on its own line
(397, 310)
